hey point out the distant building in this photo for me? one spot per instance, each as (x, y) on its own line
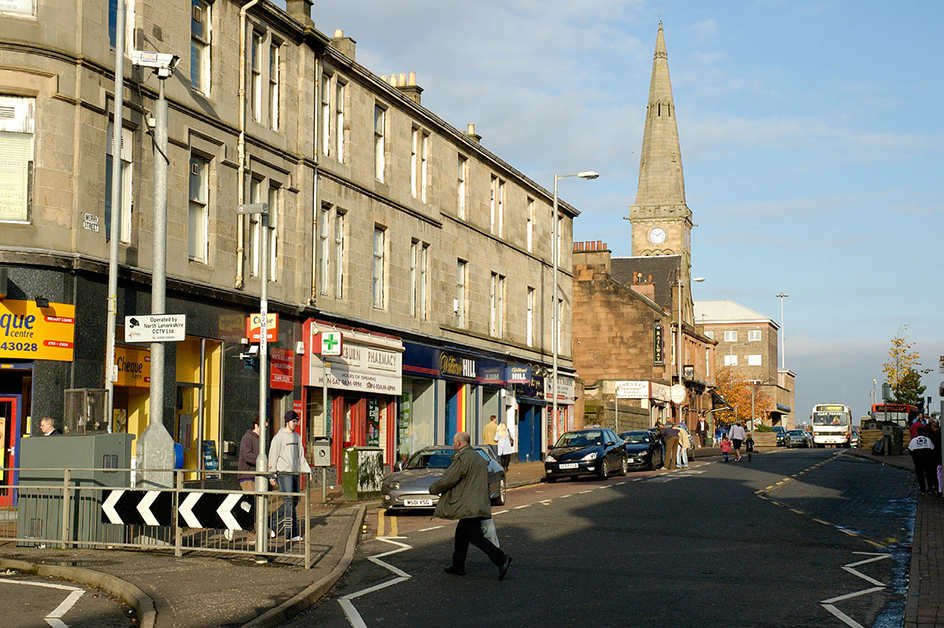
(748, 343)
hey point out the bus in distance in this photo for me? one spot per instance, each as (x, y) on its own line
(898, 413)
(832, 425)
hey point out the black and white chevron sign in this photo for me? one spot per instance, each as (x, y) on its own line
(149, 508)
(230, 511)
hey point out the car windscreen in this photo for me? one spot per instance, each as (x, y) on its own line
(795, 433)
(580, 439)
(439, 459)
(636, 438)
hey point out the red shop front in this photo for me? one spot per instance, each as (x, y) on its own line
(363, 386)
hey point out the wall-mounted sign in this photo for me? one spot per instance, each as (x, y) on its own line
(282, 373)
(28, 332)
(565, 388)
(518, 374)
(367, 363)
(456, 366)
(688, 371)
(657, 346)
(632, 390)
(329, 343)
(254, 322)
(133, 367)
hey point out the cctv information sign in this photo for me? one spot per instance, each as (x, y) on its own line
(156, 328)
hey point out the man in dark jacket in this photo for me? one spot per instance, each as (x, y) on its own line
(248, 452)
(464, 496)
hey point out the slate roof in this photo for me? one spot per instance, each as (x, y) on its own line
(661, 268)
(728, 312)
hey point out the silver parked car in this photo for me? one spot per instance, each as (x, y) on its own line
(798, 438)
(408, 486)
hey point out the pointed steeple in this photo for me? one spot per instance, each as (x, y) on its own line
(662, 222)
(660, 165)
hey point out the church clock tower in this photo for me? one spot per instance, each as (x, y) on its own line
(661, 221)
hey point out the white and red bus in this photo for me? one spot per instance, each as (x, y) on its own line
(832, 425)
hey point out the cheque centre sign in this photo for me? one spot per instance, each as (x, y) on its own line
(29, 332)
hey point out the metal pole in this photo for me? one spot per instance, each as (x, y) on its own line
(554, 315)
(114, 232)
(159, 277)
(262, 461)
(783, 352)
(325, 369)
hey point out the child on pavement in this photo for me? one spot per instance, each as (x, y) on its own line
(725, 447)
(749, 446)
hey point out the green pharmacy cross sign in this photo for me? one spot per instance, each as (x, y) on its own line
(331, 343)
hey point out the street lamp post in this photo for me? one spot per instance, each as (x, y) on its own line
(262, 461)
(783, 351)
(678, 353)
(555, 312)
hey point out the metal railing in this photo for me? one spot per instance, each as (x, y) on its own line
(63, 508)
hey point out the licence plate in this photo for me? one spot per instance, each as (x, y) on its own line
(568, 465)
(417, 502)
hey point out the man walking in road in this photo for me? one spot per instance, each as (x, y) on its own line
(737, 435)
(464, 496)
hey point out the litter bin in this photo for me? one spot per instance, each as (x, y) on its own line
(363, 473)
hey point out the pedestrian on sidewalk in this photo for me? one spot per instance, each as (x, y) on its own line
(670, 436)
(737, 434)
(701, 429)
(248, 452)
(505, 436)
(925, 461)
(287, 459)
(749, 446)
(658, 429)
(725, 446)
(464, 496)
(488, 434)
(685, 441)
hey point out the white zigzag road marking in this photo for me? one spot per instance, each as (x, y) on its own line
(828, 604)
(349, 611)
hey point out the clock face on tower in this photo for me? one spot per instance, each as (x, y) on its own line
(657, 235)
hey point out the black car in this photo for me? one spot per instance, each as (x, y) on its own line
(781, 433)
(643, 449)
(595, 451)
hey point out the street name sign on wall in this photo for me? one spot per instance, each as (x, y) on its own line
(156, 328)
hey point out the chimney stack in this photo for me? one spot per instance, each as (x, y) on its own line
(344, 45)
(472, 135)
(300, 10)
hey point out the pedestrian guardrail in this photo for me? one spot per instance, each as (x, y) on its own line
(199, 514)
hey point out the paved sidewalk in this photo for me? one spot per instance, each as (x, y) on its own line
(209, 592)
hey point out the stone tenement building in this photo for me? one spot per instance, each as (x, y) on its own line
(429, 253)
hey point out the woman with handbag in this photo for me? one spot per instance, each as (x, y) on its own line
(506, 444)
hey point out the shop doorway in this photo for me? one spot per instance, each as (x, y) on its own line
(529, 433)
(10, 440)
(190, 430)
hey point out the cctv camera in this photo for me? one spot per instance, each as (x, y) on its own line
(164, 63)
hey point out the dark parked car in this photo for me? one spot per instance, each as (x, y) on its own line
(643, 450)
(798, 438)
(596, 451)
(781, 433)
(408, 486)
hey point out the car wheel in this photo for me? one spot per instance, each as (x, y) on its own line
(604, 470)
(500, 498)
(624, 466)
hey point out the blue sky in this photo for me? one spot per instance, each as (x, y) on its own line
(811, 136)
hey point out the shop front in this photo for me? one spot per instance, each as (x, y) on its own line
(531, 402)
(651, 396)
(564, 421)
(364, 383)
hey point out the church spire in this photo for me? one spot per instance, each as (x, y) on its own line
(660, 164)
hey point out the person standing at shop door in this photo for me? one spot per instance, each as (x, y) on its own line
(48, 427)
(506, 444)
(287, 459)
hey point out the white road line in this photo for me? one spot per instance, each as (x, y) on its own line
(432, 528)
(849, 596)
(585, 492)
(842, 616)
(500, 512)
(54, 618)
(520, 507)
(562, 496)
(864, 577)
(350, 612)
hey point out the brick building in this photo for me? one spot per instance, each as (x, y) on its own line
(431, 254)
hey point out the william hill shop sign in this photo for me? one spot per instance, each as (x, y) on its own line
(456, 367)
